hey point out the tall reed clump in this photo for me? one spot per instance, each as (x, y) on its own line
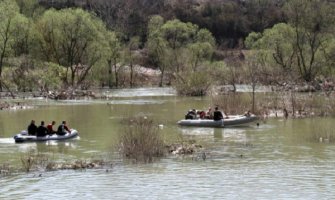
(141, 140)
(235, 103)
(32, 160)
(321, 105)
(322, 133)
(5, 169)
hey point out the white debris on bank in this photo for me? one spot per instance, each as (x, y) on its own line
(14, 106)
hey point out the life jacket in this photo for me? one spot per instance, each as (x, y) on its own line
(61, 129)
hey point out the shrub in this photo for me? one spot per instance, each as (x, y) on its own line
(5, 169)
(141, 140)
(32, 160)
(322, 132)
(193, 84)
(235, 103)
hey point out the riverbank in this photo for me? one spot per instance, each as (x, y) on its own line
(5, 105)
(268, 102)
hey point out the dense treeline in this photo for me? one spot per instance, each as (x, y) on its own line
(230, 21)
(49, 45)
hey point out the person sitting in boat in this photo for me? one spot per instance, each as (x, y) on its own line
(50, 128)
(191, 114)
(247, 114)
(63, 129)
(225, 115)
(217, 114)
(201, 114)
(32, 128)
(42, 131)
(209, 113)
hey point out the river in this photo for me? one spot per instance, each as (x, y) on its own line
(280, 159)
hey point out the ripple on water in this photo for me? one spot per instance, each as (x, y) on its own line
(224, 179)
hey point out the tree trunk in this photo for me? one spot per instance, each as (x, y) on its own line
(253, 97)
(2, 56)
(1, 60)
(110, 84)
(73, 74)
(161, 79)
(116, 75)
(131, 74)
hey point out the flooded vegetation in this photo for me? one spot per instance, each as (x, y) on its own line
(141, 140)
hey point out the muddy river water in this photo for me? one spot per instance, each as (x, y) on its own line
(280, 159)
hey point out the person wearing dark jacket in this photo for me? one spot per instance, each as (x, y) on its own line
(217, 115)
(63, 129)
(42, 131)
(32, 128)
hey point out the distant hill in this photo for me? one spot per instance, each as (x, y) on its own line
(230, 21)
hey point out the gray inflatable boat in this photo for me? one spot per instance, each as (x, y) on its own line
(232, 120)
(24, 137)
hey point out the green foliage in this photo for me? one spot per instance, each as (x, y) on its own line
(30, 8)
(28, 75)
(193, 84)
(275, 45)
(14, 32)
(23, 34)
(72, 38)
(228, 20)
(312, 22)
(178, 33)
(49, 75)
(114, 49)
(180, 36)
(297, 47)
(79, 41)
(251, 42)
(157, 46)
(9, 17)
(156, 43)
(178, 47)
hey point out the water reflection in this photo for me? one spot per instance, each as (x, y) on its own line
(56, 147)
(220, 134)
(196, 131)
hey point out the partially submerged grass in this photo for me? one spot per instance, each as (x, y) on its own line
(233, 103)
(31, 160)
(6, 169)
(35, 161)
(141, 140)
(296, 104)
(322, 133)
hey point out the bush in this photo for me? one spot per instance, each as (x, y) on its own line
(29, 75)
(322, 132)
(32, 160)
(235, 103)
(193, 84)
(141, 140)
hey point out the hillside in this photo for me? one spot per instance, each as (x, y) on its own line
(230, 21)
